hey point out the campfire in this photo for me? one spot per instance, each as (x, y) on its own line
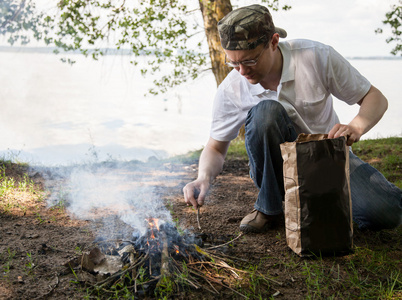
(160, 259)
(142, 253)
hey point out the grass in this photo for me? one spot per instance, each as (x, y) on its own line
(17, 188)
(237, 150)
(371, 272)
(8, 260)
(383, 154)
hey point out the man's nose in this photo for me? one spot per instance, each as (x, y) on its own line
(243, 70)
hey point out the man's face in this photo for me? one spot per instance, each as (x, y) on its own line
(263, 54)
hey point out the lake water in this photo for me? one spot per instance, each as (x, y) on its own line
(54, 113)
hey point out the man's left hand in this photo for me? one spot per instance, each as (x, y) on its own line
(352, 135)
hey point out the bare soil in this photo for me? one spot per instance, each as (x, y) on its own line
(35, 243)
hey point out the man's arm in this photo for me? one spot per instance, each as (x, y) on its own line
(372, 108)
(210, 165)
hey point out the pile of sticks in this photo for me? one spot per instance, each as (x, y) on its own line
(181, 266)
(167, 261)
(146, 265)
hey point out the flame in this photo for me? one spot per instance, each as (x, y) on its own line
(153, 222)
(176, 248)
(153, 225)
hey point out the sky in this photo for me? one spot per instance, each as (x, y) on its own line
(347, 25)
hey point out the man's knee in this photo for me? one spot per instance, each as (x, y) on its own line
(266, 114)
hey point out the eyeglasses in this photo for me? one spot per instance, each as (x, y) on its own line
(247, 63)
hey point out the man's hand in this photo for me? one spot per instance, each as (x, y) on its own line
(211, 162)
(195, 193)
(372, 107)
(352, 134)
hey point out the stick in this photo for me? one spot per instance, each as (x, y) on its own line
(225, 256)
(198, 218)
(206, 277)
(196, 194)
(164, 269)
(214, 247)
(197, 273)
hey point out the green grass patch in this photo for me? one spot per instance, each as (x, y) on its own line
(237, 149)
(16, 187)
(383, 154)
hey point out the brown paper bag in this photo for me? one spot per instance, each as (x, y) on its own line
(318, 208)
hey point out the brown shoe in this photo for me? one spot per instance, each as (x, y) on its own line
(258, 222)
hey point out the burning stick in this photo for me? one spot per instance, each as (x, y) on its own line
(198, 218)
(164, 269)
(164, 256)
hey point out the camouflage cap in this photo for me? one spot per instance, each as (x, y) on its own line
(247, 27)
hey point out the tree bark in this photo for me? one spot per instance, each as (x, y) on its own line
(212, 11)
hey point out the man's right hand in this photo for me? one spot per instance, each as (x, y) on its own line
(195, 192)
(210, 165)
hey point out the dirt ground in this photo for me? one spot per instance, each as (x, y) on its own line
(36, 242)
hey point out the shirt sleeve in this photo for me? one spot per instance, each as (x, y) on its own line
(225, 125)
(227, 117)
(344, 81)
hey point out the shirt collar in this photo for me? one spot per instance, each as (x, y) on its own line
(288, 70)
(255, 89)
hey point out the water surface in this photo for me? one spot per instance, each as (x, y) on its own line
(54, 113)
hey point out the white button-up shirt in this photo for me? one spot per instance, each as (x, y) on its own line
(312, 72)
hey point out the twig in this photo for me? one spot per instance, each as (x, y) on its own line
(201, 275)
(211, 285)
(224, 265)
(233, 290)
(231, 241)
(220, 263)
(223, 256)
(198, 218)
(194, 282)
(190, 282)
(226, 286)
(152, 280)
(270, 279)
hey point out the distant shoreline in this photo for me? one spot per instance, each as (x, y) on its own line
(110, 51)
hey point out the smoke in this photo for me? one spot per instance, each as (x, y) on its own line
(104, 193)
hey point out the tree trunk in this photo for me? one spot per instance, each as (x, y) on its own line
(212, 11)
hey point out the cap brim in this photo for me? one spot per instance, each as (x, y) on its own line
(282, 32)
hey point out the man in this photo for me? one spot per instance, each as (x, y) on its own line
(279, 90)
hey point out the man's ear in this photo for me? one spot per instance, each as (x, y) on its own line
(275, 41)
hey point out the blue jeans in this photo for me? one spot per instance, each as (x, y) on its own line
(376, 203)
